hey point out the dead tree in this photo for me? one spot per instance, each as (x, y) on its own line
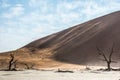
(107, 59)
(12, 62)
(29, 66)
(15, 64)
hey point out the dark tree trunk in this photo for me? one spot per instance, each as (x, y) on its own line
(108, 66)
(11, 62)
(10, 65)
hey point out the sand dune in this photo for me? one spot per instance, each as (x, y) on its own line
(75, 45)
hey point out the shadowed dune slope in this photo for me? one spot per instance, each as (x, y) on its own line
(77, 45)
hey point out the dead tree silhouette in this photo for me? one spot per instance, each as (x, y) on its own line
(107, 59)
(12, 62)
(28, 65)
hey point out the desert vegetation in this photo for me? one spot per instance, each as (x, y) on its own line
(64, 71)
(28, 66)
(12, 63)
(106, 58)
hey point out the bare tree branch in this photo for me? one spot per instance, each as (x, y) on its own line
(112, 50)
(107, 59)
(100, 52)
(29, 66)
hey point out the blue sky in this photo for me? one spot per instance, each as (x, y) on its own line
(22, 21)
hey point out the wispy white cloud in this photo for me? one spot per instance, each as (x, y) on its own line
(94, 9)
(4, 4)
(33, 3)
(14, 11)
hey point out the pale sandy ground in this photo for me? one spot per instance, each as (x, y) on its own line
(52, 75)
